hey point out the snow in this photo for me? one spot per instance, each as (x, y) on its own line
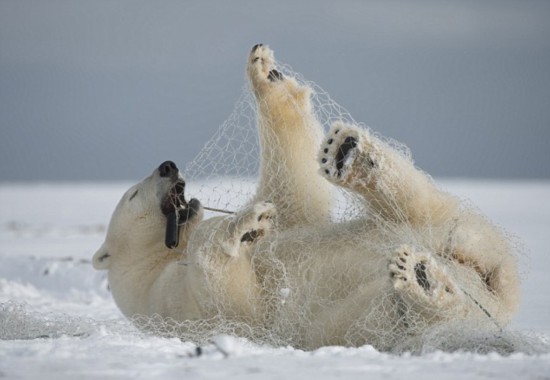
(58, 321)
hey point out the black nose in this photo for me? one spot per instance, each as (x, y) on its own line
(256, 47)
(168, 169)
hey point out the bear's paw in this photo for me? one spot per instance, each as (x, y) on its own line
(347, 153)
(261, 65)
(420, 279)
(258, 222)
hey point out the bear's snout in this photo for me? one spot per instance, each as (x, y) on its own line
(168, 169)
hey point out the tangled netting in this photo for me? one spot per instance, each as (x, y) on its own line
(228, 166)
(380, 256)
(337, 239)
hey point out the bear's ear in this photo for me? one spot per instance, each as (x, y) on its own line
(102, 258)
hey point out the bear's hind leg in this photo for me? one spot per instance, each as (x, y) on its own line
(349, 158)
(423, 284)
(352, 158)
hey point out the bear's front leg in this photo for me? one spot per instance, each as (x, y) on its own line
(289, 134)
(218, 265)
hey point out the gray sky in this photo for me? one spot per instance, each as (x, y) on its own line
(102, 90)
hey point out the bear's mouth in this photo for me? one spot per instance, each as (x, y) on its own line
(177, 212)
(175, 199)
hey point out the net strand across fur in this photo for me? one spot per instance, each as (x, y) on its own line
(337, 239)
(233, 154)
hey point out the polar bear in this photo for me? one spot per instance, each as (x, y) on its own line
(412, 259)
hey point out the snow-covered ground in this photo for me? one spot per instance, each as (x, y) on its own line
(58, 321)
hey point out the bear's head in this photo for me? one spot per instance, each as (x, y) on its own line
(150, 220)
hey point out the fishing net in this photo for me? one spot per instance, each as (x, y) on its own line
(374, 253)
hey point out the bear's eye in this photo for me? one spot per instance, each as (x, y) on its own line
(133, 195)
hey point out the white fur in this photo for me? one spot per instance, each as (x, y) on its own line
(335, 275)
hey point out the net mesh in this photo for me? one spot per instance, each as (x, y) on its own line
(228, 166)
(382, 256)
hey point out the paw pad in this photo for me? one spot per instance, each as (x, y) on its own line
(406, 267)
(338, 151)
(258, 222)
(275, 76)
(422, 276)
(421, 280)
(250, 236)
(343, 151)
